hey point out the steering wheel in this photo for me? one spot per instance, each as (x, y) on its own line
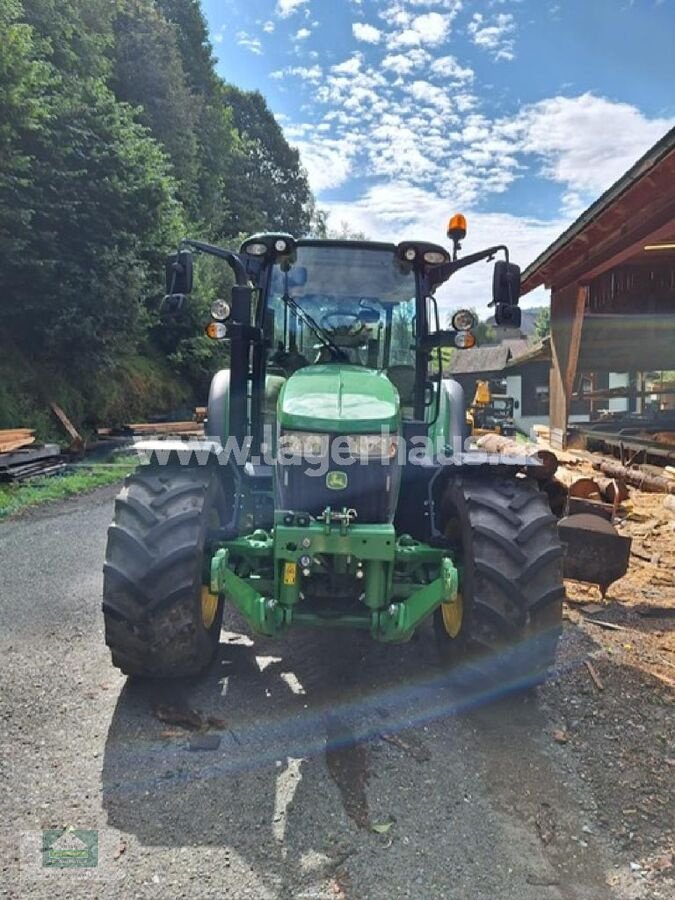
(340, 323)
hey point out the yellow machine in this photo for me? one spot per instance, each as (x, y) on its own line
(490, 414)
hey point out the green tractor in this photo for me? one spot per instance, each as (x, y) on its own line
(336, 487)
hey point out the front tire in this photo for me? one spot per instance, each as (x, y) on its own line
(160, 619)
(511, 581)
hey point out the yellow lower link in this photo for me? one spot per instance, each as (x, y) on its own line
(209, 607)
(453, 614)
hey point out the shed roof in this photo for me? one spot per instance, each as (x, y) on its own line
(479, 359)
(492, 358)
(539, 352)
(639, 204)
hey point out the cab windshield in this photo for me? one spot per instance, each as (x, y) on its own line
(341, 303)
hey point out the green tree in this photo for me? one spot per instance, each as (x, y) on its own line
(542, 327)
(98, 205)
(221, 153)
(148, 74)
(22, 80)
(268, 189)
(117, 137)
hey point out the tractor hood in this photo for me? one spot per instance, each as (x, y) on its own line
(342, 399)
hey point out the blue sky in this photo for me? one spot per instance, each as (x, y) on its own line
(516, 112)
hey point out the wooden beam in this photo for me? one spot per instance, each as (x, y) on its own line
(77, 442)
(575, 340)
(616, 249)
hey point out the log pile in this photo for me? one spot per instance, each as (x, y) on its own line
(546, 462)
(15, 439)
(154, 429)
(22, 457)
(636, 476)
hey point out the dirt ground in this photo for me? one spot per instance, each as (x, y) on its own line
(332, 768)
(615, 709)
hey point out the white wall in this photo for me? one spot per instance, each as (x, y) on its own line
(523, 423)
(617, 379)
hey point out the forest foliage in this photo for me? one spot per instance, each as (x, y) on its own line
(117, 138)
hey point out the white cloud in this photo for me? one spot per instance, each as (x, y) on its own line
(286, 8)
(585, 142)
(269, 27)
(494, 35)
(328, 162)
(430, 29)
(448, 67)
(404, 64)
(436, 97)
(302, 34)
(366, 33)
(396, 211)
(218, 36)
(350, 66)
(313, 74)
(251, 43)
(405, 118)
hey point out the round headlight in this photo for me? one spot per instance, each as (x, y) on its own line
(221, 310)
(464, 340)
(281, 246)
(256, 249)
(410, 254)
(216, 331)
(464, 320)
(434, 258)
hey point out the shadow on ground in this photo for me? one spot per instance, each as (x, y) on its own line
(296, 733)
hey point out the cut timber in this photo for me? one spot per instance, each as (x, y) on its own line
(652, 484)
(76, 440)
(165, 428)
(585, 488)
(15, 438)
(8, 445)
(613, 490)
(29, 455)
(495, 443)
(15, 432)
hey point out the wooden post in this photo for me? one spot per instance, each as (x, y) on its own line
(575, 339)
(567, 317)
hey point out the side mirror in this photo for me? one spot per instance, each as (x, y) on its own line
(508, 316)
(172, 306)
(506, 284)
(179, 273)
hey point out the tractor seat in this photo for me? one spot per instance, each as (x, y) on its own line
(403, 379)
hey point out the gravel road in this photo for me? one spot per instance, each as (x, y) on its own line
(342, 769)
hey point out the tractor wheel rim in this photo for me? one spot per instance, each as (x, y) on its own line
(453, 615)
(209, 607)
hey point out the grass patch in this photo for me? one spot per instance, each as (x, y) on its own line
(78, 480)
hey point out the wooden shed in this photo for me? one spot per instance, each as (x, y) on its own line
(612, 282)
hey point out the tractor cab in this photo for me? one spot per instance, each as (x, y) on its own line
(337, 310)
(349, 306)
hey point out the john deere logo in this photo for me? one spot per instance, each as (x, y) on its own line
(337, 481)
